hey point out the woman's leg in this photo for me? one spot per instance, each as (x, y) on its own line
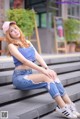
(67, 100)
(54, 92)
(52, 88)
(63, 93)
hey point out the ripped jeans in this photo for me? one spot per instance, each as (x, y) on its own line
(54, 88)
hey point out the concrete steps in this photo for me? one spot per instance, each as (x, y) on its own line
(66, 79)
(34, 104)
(38, 104)
(6, 76)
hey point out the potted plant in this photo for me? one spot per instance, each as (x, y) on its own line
(71, 27)
(24, 19)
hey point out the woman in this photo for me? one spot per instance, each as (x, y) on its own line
(24, 56)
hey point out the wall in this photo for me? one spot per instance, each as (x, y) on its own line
(47, 41)
(1, 12)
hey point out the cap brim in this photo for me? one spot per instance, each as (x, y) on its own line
(12, 22)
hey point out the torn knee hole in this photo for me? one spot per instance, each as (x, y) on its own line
(26, 77)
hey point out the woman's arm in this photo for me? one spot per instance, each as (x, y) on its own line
(14, 51)
(39, 58)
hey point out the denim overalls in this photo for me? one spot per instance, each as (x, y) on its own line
(55, 88)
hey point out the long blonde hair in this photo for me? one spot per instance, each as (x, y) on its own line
(21, 43)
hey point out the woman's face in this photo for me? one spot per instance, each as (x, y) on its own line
(14, 32)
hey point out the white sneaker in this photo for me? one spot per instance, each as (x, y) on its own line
(66, 112)
(74, 110)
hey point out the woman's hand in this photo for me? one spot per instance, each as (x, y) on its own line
(50, 73)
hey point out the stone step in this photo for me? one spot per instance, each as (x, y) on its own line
(61, 58)
(70, 78)
(38, 105)
(63, 68)
(6, 76)
(55, 115)
(7, 61)
(30, 108)
(9, 93)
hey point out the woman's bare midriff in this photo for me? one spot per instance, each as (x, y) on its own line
(22, 67)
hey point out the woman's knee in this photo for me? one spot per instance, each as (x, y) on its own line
(47, 79)
(52, 89)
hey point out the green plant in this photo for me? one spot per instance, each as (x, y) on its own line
(72, 28)
(25, 19)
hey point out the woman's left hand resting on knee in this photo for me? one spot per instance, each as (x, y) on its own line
(50, 73)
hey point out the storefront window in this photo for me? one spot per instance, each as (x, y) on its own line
(43, 20)
(50, 20)
(37, 20)
(74, 11)
(78, 10)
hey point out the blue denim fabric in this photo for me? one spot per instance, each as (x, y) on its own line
(21, 83)
(56, 89)
(28, 53)
(25, 84)
(61, 89)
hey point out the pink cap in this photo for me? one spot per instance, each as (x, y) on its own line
(6, 25)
